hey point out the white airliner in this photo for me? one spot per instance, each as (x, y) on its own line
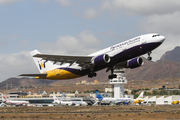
(108, 101)
(5, 101)
(122, 55)
(69, 102)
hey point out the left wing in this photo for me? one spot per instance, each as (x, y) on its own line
(81, 60)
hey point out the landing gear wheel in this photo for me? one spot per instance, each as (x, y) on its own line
(94, 74)
(149, 55)
(112, 76)
(90, 75)
(149, 58)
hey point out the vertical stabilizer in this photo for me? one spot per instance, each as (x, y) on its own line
(3, 98)
(56, 100)
(41, 64)
(98, 95)
(141, 95)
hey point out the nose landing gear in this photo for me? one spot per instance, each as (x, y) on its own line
(149, 57)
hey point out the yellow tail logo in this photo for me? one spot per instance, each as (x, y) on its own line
(41, 65)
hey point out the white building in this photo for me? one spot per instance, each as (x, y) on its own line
(119, 83)
(161, 100)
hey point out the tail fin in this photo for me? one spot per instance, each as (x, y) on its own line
(56, 100)
(42, 65)
(140, 95)
(3, 97)
(98, 95)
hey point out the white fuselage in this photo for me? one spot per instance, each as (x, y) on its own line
(8, 102)
(77, 66)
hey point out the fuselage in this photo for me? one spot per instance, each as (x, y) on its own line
(120, 100)
(8, 102)
(16, 102)
(71, 103)
(118, 53)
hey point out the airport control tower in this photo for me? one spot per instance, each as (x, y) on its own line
(119, 82)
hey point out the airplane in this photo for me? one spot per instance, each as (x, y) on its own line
(122, 55)
(69, 102)
(108, 101)
(63, 102)
(5, 101)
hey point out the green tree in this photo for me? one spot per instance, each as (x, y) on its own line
(126, 92)
(154, 92)
(163, 92)
(135, 96)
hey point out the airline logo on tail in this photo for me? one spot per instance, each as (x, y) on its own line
(4, 98)
(41, 65)
(98, 95)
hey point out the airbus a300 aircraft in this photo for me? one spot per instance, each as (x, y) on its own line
(122, 55)
(107, 101)
(5, 101)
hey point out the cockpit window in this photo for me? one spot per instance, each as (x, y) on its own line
(155, 35)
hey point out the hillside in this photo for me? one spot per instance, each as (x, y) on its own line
(18, 82)
(173, 55)
(155, 70)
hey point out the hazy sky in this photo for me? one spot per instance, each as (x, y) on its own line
(79, 27)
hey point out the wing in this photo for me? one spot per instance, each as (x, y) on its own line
(81, 60)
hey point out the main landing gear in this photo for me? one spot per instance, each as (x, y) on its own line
(112, 71)
(149, 57)
(112, 76)
(92, 74)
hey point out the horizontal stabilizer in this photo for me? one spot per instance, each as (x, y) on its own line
(34, 75)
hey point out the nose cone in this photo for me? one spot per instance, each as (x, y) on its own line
(162, 38)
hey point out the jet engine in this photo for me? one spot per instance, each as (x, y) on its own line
(134, 63)
(100, 60)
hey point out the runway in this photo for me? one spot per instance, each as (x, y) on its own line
(92, 112)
